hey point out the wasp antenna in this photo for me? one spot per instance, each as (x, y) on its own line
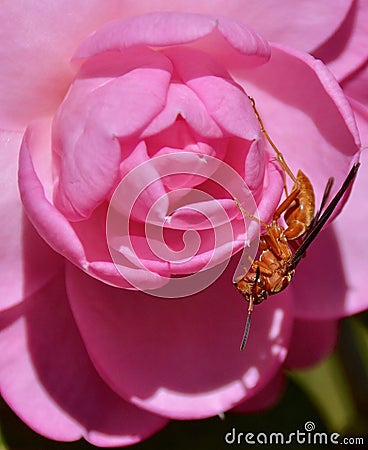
(250, 310)
(246, 213)
(249, 317)
(279, 155)
(246, 331)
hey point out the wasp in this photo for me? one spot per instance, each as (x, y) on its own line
(281, 248)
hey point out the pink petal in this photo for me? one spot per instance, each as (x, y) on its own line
(266, 398)
(182, 101)
(47, 377)
(273, 185)
(346, 50)
(150, 29)
(307, 115)
(121, 101)
(111, 273)
(303, 24)
(326, 298)
(92, 234)
(123, 90)
(76, 243)
(192, 367)
(140, 187)
(27, 263)
(37, 42)
(361, 115)
(224, 101)
(48, 221)
(350, 231)
(89, 171)
(312, 341)
(355, 85)
(138, 264)
(167, 29)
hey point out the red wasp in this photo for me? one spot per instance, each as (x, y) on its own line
(281, 248)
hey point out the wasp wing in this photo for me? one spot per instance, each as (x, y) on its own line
(317, 225)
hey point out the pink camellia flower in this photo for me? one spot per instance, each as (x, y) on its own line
(130, 144)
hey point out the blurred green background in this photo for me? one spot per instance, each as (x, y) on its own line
(333, 395)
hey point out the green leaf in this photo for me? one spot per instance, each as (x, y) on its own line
(328, 387)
